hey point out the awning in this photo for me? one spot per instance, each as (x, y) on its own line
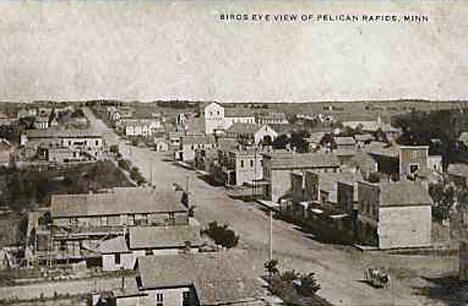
(340, 216)
(244, 193)
(268, 204)
(316, 211)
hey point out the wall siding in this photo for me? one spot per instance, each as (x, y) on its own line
(408, 226)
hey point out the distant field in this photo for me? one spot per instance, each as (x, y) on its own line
(359, 110)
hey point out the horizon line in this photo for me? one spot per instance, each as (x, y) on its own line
(243, 102)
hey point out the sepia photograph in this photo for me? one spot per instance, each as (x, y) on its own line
(248, 153)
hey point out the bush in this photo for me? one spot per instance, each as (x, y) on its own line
(124, 164)
(221, 235)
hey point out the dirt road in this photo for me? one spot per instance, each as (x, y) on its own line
(339, 268)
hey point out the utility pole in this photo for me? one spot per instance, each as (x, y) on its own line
(270, 234)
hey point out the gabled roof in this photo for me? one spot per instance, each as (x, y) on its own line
(221, 277)
(238, 112)
(383, 149)
(459, 169)
(463, 137)
(315, 137)
(118, 201)
(62, 133)
(344, 141)
(163, 236)
(370, 126)
(244, 128)
(113, 245)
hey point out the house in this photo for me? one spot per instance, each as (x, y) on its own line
(6, 119)
(221, 278)
(65, 145)
(26, 112)
(174, 140)
(218, 117)
(463, 138)
(363, 139)
(189, 144)
(394, 214)
(345, 148)
(161, 145)
(391, 133)
(122, 251)
(113, 114)
(458, 174)
(314, 141)
(139, 127)
(41, 123)
(345, 144)
(271, 117)
(116, 255)
(278, 166)
(252, 133)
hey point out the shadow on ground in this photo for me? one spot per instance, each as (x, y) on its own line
(448, 289)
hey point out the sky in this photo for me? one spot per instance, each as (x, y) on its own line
(147, 50)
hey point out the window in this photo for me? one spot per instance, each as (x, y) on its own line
(159, 299)
(251, 163)
(117, 259)
(186, 298)
(242, 164)
(413, 168)
(97, 142)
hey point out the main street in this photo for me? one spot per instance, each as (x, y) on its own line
(339, 268)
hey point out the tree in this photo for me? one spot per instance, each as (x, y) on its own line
(443, 197)
(221, 235)
(281, 141)
(308, 285)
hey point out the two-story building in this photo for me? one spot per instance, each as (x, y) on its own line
(271, 117)
(62, 145)
(219, 118)
(277, 168)
(239, 166)
(79, 221)
(394, 215)
(139, 127)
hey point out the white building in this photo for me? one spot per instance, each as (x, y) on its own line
(220, 118)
